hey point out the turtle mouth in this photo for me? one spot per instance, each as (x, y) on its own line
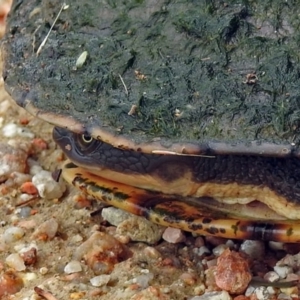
(234, 182)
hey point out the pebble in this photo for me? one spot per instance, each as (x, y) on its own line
(15, 261)
(12, 130)
(255, 249)
(101, 252)
(73, 266)
(153, 293)
(217, 251)
(29, 257)
(47, 187)
(10, 283)
(13, 234)
(271, 276)
(140, 230)
(11, 160)
(100, 280)
(44, 270)
(232, 272)
(201, 251)
(199, 241)
(114, 216)
(276, 245)
(283, 271)
(262, 293)
(213, 296)
(173, 235)
(143, 280)
(46, 230)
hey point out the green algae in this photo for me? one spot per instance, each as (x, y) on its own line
(183, 64)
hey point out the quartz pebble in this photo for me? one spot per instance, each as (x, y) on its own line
(73, 266)
(15, 261)
(13, 234)
(100, 280)
(173, 235)
(143, 280)
(271, 276)
(47, 230)
(262, 293)
(47, 187)
(114, 215)
(12, 130)
(283, 271)
(140, 230)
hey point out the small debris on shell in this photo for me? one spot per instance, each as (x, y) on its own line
(132, 110)
(81, 59)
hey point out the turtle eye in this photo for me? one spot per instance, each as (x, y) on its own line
(86, 138)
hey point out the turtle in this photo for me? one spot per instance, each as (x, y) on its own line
(184, 112)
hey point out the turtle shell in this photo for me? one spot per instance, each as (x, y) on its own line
(164, 76)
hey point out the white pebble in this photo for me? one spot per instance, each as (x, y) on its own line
(47, 187)
(100, 280)
(114, 215)
(262, 293)
(271, 276)
(255, 249)
(143, 280)
(202, 250)
(11, 130)
(15, 261)
(249, 291)
(217, 251)
(29, 276)
(73, 266)
(13, 234)
(43, 270)
(283, 271)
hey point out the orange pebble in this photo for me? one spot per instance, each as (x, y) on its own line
(40, 144)
(28, 188)
(24, 121)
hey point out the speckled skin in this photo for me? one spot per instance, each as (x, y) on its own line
(169, 211)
